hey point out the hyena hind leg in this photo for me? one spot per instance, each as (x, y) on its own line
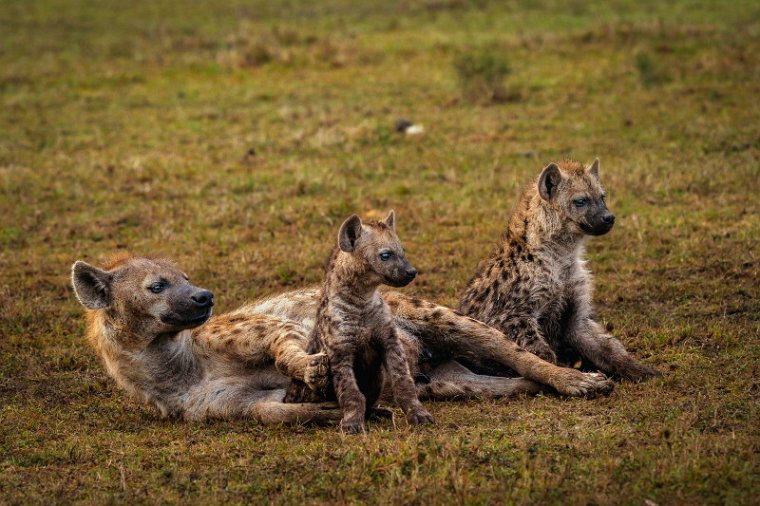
(452, 380)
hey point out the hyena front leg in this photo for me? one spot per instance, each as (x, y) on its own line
(404, 391)
(350, 398)
(446, 331)
(257, 339)
(604, 350)
(287, 346)
(524, 331)
(240, 397)
(271, 411)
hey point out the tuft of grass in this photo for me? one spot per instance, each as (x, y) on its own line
(481, 73)
(650, 72)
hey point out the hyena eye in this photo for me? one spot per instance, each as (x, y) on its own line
(385, 256)
(157, 287)
(580, 202)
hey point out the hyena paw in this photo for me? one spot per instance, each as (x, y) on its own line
(419, 416)
(637, 371)
(583, 384)
(543, 351)
(317, 373)
(352, 425)
(379, 413)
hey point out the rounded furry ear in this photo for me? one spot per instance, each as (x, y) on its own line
(92, 286)
(349, 233)
(390, 220)
(593, 169)
(548, 181)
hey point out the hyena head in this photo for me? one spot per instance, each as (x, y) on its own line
(150, 297)
(377, 247)
(576, 196)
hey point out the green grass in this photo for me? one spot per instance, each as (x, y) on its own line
(126, 125)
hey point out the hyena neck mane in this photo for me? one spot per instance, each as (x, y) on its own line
(151, 367)
(536, 227)
(348, 280)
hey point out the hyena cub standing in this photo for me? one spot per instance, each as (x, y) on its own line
(355, 328)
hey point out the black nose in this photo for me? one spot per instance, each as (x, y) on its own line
(204, 298)
(609, 219)
(411, 272)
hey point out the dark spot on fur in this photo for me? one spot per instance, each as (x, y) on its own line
(421, 378)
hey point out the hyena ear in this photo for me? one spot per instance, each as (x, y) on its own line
(548, 181)
(390, 220)
(593, 169)
(349, 233)
(92, 286)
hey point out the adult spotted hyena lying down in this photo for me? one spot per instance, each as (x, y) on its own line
(149, 326)
(155, 334)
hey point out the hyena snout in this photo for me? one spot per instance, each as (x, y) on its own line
(404, 275)
(189, 307)
(409, 274)
(203, 299)
(600, 224)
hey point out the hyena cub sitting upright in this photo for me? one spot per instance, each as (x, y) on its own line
(535, 287)
(355, 328)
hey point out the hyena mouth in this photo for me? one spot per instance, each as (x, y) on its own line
(596, 230)
(399, 282)
(176, 321)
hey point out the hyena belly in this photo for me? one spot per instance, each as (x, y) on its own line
(553, 325)
(556, 312)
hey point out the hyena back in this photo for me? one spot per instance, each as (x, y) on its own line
(354, 325)
(535, 287)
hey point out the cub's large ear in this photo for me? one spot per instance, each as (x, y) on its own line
(548, 181)
(390, 220)
(349, 233)
(92, 286)
(593, 169)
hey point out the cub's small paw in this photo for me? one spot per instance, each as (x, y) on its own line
(543, 351)
(317, 372)
(637, 371)
(351, 426)
(379, 414)
(419, 416)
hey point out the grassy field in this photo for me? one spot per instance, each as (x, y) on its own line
(235, 136)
